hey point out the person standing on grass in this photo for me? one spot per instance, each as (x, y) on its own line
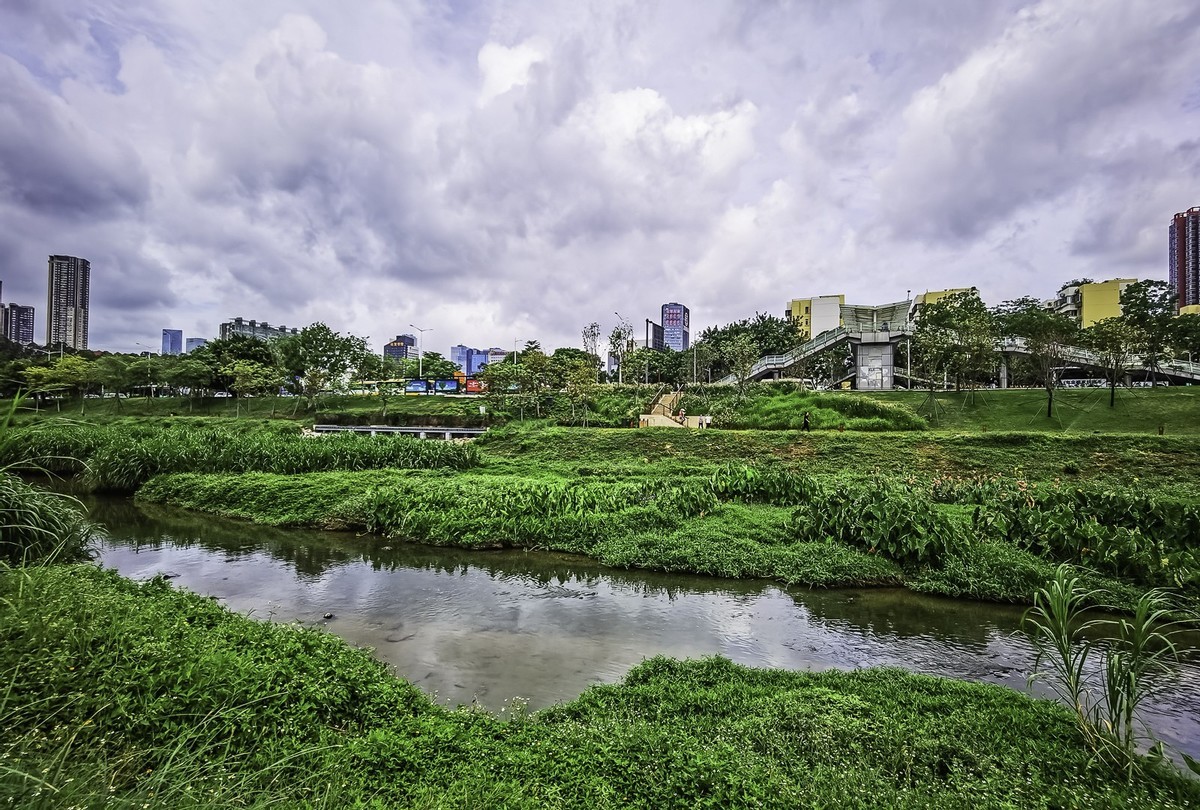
(805, 426)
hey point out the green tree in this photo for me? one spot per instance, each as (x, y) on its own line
(620, 343)
(767, 334)
(112, 372)
(699, 361)
(250, 379)
(1046, 336)
(224, 352)
(387, 376)
(591, 343)
(648, 365)
(317, 359)
(563, 365)
(1115, 342)
(431, 366)
(1149, 306)
(1185, 337)
(67, 376)
(740, 356)
(193, 374)
(955, 336)
(580, 385)
(146, 372)
(505, 386)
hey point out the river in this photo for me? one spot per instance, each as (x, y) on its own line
(488, 627)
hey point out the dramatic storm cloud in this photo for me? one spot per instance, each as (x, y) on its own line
(512, 170)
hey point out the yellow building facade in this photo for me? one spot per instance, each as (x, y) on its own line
(1101, 299)
(813, 316)
(921, 300)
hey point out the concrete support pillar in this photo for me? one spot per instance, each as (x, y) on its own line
(1003, 371)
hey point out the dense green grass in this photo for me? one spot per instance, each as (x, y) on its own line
(749, 523)
(40, 527)
(128, 695)
(781, 405)
(120, 458)
(612, 406)
(1170, 462)
(1137, 410)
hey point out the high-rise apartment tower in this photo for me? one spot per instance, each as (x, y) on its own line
(16, 323)
(1184, 271)
(67, 302)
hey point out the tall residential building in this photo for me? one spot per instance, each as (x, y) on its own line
(261, 330)
(16, 323)
(191, 344)
(1087, 302)
(172, 341)
(1184, 270)
(676, 321)
(496, 355)
(402, 348)
(813, 316)
(67, 302)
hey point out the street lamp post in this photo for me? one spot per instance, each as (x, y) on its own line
(420, 350)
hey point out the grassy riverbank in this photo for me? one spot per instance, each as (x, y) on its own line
(780, 406)
(764, 406)
(130, 695)
(989, 538)
(983, 516)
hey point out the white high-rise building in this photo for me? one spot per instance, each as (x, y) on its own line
(67, 302)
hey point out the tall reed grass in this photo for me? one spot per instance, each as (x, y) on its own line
(1129, 653)
(36, 526)
(121, 458)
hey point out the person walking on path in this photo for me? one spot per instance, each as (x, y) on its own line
(805, 426)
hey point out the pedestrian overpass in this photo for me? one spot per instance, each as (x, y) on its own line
(874, 333)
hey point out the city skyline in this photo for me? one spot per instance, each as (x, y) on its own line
(516, 172)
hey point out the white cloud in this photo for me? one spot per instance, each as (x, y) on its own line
(505, 68)
(512, 170)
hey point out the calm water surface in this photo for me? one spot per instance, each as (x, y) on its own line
(490, 626)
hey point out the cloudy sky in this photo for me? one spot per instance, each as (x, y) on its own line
(509, 170)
